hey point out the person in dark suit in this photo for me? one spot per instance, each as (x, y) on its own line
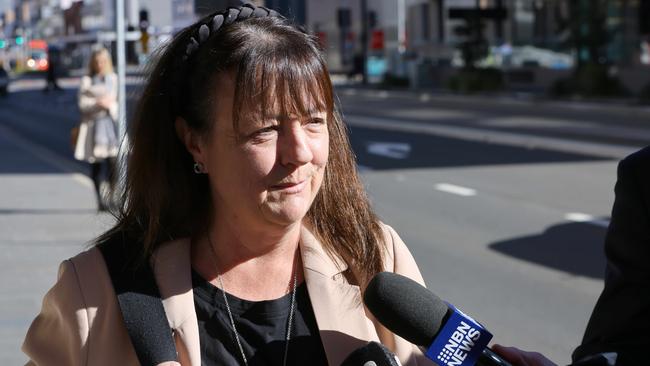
(620, 320)
(617, 332)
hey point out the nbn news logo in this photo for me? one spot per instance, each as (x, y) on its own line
(460, 342)
(459, 345)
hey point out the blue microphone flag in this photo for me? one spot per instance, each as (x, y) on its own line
(460, 341)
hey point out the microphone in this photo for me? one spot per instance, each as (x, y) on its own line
(372, 354)
(416, 314)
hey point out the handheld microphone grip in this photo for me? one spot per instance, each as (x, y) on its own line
(372, 354)
(489, 358)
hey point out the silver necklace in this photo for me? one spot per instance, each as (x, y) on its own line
(232, 320)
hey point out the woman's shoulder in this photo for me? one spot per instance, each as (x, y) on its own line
(392, 241)
(397, 256)
(90, 272)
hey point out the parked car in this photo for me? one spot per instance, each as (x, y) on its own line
(4, 82)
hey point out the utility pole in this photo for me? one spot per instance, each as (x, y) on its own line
(121, 91)
(401, 27)
(364, 40)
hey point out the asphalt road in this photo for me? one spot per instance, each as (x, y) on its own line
(503, 203)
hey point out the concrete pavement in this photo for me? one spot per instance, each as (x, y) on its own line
(47, 214)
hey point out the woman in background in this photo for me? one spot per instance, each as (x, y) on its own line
(97, 141)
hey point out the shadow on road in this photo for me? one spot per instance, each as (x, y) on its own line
(37, 125)
(427, 151)
(575, 248)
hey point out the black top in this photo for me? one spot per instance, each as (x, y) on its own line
(261, 326)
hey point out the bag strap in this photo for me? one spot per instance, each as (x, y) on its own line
(140, 304)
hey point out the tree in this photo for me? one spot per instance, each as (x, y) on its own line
(585, 23)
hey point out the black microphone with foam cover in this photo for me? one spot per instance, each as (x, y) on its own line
(372, 354)
(416, 314)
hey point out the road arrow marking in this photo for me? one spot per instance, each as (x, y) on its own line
(393, 150)
(587, 219)
(454, 189)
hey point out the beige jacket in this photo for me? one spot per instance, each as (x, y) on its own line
(88, 96)
(81, 324)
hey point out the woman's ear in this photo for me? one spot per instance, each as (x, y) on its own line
(190, 139)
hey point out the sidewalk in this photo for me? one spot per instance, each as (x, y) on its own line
(47, 214)
(618, 107)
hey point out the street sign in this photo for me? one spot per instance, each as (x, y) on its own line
(377, 40)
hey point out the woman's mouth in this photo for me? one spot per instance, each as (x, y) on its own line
(290, 187)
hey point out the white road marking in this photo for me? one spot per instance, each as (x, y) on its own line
(393, 150)
(383, 94)
(425, 97)
(587, 219)
(454, 189)
(497, 137)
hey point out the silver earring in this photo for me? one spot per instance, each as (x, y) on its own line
(198, 168)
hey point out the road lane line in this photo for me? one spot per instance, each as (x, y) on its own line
(587, 219)
(454, 189)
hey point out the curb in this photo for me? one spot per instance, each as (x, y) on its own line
(518, 99)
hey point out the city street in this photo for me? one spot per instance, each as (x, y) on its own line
(504, 202)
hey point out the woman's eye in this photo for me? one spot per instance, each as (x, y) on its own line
(264, 131)
(267, 129)
(317, 121)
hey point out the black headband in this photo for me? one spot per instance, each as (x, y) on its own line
(223, 18)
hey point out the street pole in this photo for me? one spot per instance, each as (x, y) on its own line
(121, 91)
(121, 64)
(364, 40)
(401, 34)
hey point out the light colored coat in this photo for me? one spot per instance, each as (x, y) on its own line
(88, 96)
(81, 324)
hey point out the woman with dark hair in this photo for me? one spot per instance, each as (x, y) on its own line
(243, 199)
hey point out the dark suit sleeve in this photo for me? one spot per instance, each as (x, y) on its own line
(620, 321)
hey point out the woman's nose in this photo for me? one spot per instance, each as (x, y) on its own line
(294, 146)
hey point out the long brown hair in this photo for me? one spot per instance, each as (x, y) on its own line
(273, 61)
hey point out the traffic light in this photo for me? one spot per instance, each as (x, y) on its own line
(144, 34)
(3, 43)
(343, 17)
(143, 21)
(372, 19)
(20, 40)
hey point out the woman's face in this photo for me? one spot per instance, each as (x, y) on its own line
(270, 170)
(100, 62)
